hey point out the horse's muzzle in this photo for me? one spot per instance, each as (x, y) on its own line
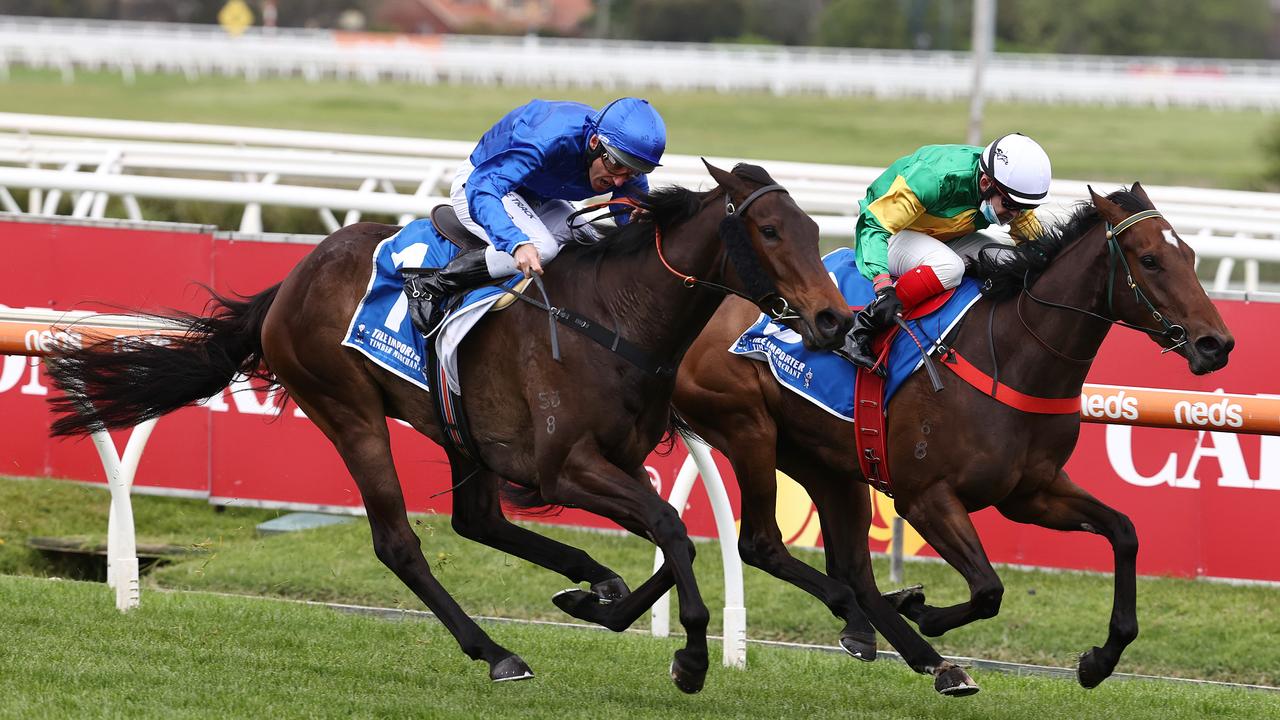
(1209, 353)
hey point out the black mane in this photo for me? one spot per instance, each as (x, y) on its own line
(666, 206)
(1006, 271)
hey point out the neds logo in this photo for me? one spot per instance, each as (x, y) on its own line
(1223, 413)
(1117, 407)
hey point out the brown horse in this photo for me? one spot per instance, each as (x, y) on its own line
(1048, 306)
(573, 432)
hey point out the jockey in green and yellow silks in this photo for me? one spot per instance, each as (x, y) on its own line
(919, 221)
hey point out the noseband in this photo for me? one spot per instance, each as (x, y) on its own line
(1174, 333)
(761, 290)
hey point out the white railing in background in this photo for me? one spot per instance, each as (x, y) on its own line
(130, 48)
(342, 177)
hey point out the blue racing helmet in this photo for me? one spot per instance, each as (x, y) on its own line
(632, 132)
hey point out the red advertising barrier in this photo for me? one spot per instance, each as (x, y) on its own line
(1202, 500)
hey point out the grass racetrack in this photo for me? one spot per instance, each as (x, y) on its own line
(66, 650)
(69, 653)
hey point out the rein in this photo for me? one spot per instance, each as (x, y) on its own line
(991, 386)
(611, 339)
(766, 297)
(1170, 331)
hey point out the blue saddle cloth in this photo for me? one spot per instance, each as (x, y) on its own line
(826, 379)
(380, 328)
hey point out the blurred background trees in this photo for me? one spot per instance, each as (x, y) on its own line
(1181, 28)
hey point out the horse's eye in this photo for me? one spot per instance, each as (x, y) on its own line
(1149, 262)
(769, 231)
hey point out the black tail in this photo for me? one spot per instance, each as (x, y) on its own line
(120, 383)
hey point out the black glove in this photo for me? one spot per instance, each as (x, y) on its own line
(886, 306)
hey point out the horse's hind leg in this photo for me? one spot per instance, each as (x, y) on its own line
(1063, 505)
(353, 420)
(478, 516)
(751, 448)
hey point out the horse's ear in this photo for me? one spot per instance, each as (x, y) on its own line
(1142, 194)
(1110, 211)
(723, 178)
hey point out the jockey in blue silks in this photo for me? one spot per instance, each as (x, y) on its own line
(513, 191)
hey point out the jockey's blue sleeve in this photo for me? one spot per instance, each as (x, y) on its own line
(490, 181)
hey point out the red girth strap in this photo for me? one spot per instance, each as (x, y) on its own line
(965, 370)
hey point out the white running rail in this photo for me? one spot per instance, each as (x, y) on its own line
(130, 48)
(95, 160)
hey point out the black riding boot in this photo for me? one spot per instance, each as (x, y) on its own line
(429, 288)
(869, 322)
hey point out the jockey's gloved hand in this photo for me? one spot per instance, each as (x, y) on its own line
(886, 306)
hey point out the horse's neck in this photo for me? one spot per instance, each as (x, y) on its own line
(1076, 278)
(653, 306)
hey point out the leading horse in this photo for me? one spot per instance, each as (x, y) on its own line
(571, 432)
(1048, 306)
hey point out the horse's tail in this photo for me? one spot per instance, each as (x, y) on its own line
(118, 383)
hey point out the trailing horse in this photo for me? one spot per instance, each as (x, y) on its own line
(1048, 306)
(573, 432)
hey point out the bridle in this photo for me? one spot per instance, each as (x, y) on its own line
(1174, 333)
(760, 288)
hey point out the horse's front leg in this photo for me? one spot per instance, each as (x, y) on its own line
(589, 481)
(1063, 505)
(478, 516)
(844, 508)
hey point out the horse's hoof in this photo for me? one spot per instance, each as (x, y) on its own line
(612, 589)
(688, 675)
(906, 597)
(583, 605)
(509, 668)
(1089, 670)
(952, 681)
(860, 646)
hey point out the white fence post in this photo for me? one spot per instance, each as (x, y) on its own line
(701, 463)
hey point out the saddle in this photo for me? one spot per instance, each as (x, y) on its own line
(446, 222)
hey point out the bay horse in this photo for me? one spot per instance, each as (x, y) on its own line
(573, 432)
(1048, 306)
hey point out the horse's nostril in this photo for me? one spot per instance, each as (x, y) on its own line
(1209, 346)
(827, 322)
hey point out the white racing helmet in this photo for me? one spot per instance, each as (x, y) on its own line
(1019, 167)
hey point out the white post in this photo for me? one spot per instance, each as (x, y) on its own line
(983, 41)
(122, 547)
(701, 463)
(895, 550)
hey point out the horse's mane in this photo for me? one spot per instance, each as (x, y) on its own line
(666, 206)
(1005, 272)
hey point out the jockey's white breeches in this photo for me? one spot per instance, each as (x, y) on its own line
(910, 249)
(547, 224)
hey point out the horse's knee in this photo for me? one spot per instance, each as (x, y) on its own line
(396, 550)
(986, 600)
(468, 527)
(756, 552)
(1125, 541)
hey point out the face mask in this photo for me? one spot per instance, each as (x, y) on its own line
(989, 213)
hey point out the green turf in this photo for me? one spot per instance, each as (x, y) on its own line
(1116, 144)
(66, 652)
(1188, 628)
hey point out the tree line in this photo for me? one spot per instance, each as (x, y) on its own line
(1185, 28)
